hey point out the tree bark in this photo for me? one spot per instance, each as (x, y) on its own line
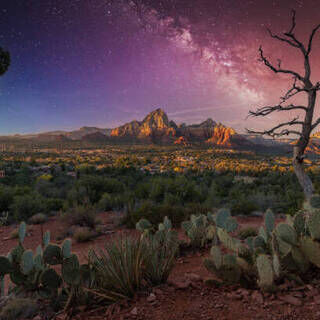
(299, 170)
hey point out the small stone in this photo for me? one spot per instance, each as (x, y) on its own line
(134, 311)
(291, 300)
(257, 296)
(181, 284)
(193, 277)
(152, 297)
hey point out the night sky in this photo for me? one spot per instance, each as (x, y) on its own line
(103, 62)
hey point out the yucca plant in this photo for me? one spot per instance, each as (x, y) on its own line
(160, 251)
(118, 268)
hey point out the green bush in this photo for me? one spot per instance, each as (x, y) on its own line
(81, 216)
(155, 213)
(83, 234)
(243, 206)
(25, 206)
(38, 218)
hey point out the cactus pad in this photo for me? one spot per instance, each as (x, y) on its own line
(222, 217)
(66, 248)
(52, 254)
(70, 270)
(286, 233)
(50, 279)
(315, 201)
(311, 250)
(27, 262)
(313, 223)
(265, 272)
(269, 221)
(22, 231)
(5, 266)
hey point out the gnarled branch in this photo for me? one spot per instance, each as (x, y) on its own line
(279, 69)
(264, 111)
(273, 131)
(314, 31)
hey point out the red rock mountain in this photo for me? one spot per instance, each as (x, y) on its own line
(157, 128)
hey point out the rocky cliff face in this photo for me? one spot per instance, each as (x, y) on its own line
(157, 128)
(222, 136)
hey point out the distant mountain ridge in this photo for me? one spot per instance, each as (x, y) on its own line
(157, 128)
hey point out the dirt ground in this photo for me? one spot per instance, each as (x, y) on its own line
(187, 295)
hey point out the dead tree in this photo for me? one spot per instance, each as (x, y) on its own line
(301, 84)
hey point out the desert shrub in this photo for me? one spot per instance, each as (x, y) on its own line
(247, 232)
(38, 218)
(81, 216)
(6, 198)
(25, 206)
(119, 267)
(19, 308)
(263, 200)
(83, 234)
(155, 213)
(52, 204)
(243, 206)
(112, 201)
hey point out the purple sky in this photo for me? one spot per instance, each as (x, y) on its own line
(101, 63)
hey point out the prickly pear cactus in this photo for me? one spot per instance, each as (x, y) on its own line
(143, 225)
(311, 250)
(315, 201)
(269, 221)
(313, 223)
(70, 270)
(222, 216)
(52, 254)
(22, 231)
(27, 262)
(265, 272)
(66, 248)
(50, 279)
(286, 233)
(5, 266)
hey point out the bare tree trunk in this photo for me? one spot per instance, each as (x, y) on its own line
(299, 170)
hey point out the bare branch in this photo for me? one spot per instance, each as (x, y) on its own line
(264, 111)
(282, 39)
(278, 70)
(293, 12)
(292, 91)
(314, 31)
(316, 124)
(273, 133)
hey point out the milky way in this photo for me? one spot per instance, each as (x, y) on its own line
(103, 62)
